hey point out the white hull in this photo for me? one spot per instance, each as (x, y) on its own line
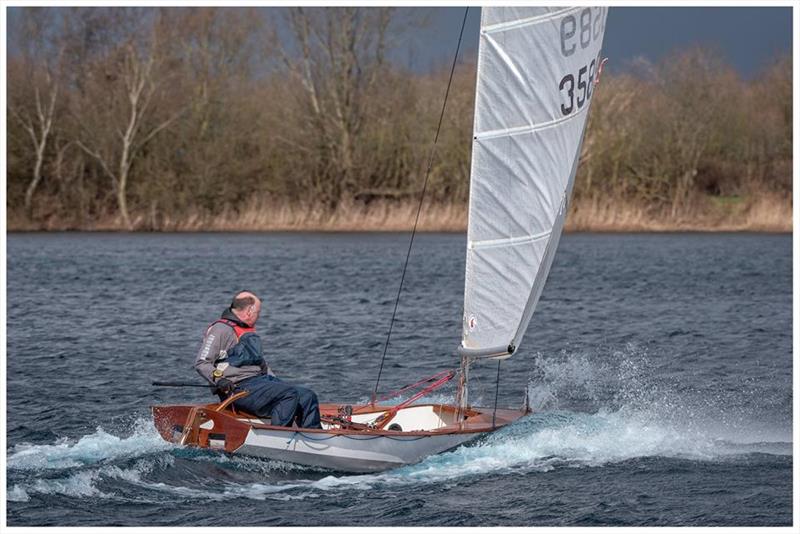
(357, 454)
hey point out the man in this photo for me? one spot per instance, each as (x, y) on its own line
(231, 358)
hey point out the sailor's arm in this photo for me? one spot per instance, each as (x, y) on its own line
(209, 352)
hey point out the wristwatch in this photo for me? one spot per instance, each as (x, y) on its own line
(217, 373)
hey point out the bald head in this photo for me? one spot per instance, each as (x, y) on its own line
(243, 299)
(246, 306)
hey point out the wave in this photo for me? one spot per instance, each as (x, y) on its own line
(94, 448)
(112, 482)
(86, 482)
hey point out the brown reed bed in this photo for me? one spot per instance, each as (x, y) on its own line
(764, 213)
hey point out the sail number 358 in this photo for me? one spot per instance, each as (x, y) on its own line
(584, 88)
(576, 88)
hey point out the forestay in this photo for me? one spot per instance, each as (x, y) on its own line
(536, 68)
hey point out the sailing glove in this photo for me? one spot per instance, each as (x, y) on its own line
(224, 387)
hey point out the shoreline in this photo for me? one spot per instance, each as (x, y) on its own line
(762, 215)
(659, 229)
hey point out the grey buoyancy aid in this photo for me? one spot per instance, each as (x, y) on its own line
(248, 349)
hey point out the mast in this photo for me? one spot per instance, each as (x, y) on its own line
(462, 393)
(468, 357)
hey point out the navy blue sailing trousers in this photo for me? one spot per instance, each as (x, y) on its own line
(283, 403)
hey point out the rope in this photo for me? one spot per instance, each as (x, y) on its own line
(366, 438)
(496, 391)
(398, 392)
(419, 208)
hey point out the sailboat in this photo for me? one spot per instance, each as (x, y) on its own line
(537, 68)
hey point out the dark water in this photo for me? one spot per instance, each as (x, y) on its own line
(661, 365)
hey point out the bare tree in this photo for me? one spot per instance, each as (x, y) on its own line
(340, 53)
(695, 84)
(34, 91)
(118, 116)
(220, 63)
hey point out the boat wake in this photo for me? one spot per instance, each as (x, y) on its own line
(624, 418)
(91, 449)
(102, 465)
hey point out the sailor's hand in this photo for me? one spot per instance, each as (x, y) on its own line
(224, 387)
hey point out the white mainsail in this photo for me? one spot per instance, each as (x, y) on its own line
(536, 70)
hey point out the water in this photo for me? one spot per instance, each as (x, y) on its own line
(660, 367)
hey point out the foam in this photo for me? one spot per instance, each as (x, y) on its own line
(90, 449)
(81, 484)
(18, 494)
(84, 482)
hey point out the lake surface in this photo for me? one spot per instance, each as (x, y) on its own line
(660, 368)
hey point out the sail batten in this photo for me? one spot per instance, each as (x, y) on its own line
(534, 87)
(527, 128)
(519, 23)
(508, 241)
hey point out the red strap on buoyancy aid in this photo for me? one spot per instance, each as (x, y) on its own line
(237, 329)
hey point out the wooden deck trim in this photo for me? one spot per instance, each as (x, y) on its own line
(481, 421)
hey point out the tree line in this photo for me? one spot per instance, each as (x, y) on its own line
(149, 115)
